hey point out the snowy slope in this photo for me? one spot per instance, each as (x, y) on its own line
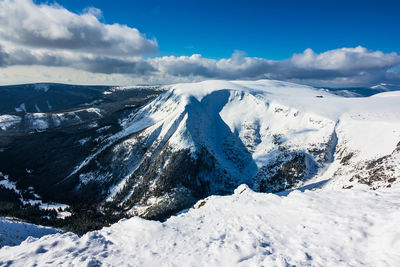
(312, 228)
(268, 134)
(13, 232)
(8, 120)
(300, 117)
(199, 139)
(42, 121)
(208, 138)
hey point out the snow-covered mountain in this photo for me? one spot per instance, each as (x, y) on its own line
(54, 97)
(209, 137)
(37, 107)
(156, 159)
(198, 139)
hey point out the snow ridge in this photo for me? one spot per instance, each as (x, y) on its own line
(245, 123)
(270, 135)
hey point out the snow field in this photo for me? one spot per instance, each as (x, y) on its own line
(311, 228)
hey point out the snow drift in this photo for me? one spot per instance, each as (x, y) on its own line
(315, 228)
(12, 232)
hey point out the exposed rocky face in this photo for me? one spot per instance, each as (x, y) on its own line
(289, 169)
(148, 156)
(378, 172)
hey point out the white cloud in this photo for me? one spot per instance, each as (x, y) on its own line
(336, 68)
(358, 58)
(56, 39)
(24, 23)
(50, 35)
(88, 62)
(340, 67)
(32, 74)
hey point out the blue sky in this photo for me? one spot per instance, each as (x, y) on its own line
(270, 29)
(322, 43)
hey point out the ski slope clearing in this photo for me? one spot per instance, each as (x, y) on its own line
(357, 227)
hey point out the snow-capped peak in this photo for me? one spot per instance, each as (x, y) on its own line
(268, 134)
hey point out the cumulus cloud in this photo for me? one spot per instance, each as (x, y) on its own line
(236, 67)
(52, 26)
(345, 59)
(342, 67)
(87, 62)
(49, 35)
(115, 65)
(346, 66)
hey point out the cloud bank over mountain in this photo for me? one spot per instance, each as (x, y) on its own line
(345, 66)
(50, 36)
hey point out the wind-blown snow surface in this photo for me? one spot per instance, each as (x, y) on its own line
(13, 232)
(312, 228)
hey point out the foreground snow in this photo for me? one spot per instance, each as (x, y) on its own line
(316, 228)
(13, 232)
